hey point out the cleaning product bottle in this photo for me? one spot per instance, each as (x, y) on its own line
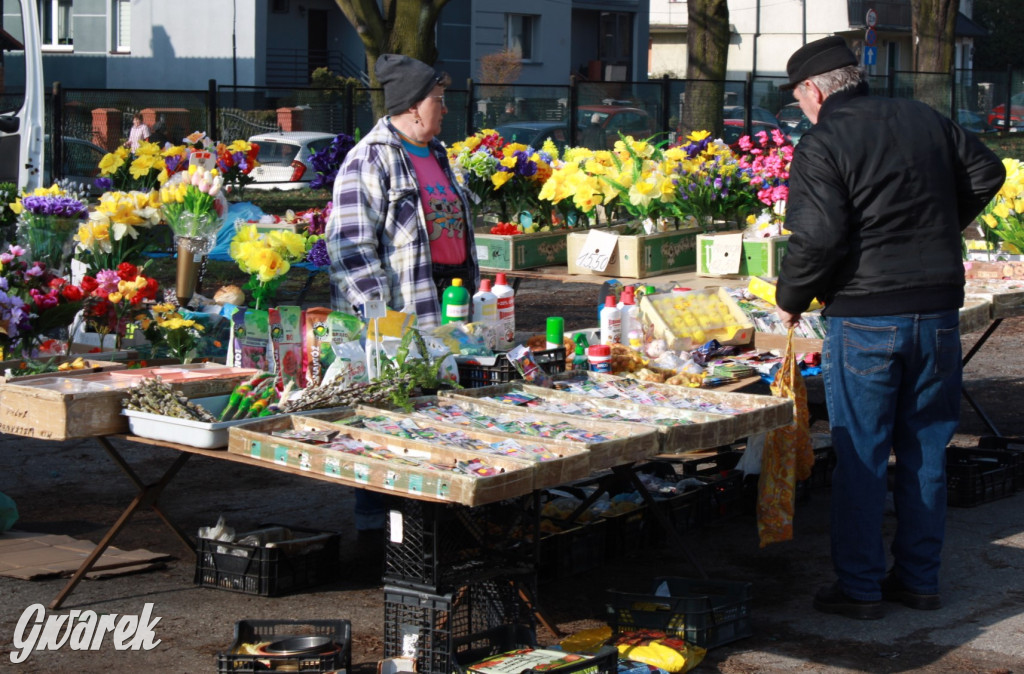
(609, 287)
(629, 313)
(485, 303)
(580, 362)
(506, 311)
(455, 302)
(611, 322)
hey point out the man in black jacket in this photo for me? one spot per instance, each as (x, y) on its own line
(880, 191)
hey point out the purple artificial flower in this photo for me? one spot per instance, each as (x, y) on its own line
(317, 255)
(61, 207)
(12, 310)
(327, 161)
(524, 166)
(718, 183)
(241, 161)
(172, 163)
(104, 184)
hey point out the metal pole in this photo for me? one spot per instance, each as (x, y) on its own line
(57, 134)
(470, 112)
(952, 93)
(573, 104)
(211, 109)
(1006, 101)
(666, 91)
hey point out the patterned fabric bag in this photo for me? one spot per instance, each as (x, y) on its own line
(788, 455)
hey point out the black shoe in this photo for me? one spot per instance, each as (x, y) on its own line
(895, 591)
(831, 599)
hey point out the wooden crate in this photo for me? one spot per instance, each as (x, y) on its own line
(640, 256)
(40, 409)
(1012, 270)
(256, 440)
(520, 251)
(90, 366)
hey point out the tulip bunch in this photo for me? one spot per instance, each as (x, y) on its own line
(193, 206)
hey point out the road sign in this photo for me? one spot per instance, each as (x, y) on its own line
(872, 18)
(870, 55)
(870, 37)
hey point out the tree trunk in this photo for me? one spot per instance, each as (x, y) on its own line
(393, 27)
(707, 49)
(932, 28)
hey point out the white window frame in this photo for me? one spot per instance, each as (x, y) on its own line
(52, 8)
(517, 25)
(120, 42)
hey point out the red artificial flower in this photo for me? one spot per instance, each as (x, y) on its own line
(56, 282)
(72, 293)
(127, 271)
(88, 284)
(101, 308)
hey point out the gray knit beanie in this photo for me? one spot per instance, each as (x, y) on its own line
(406, 81)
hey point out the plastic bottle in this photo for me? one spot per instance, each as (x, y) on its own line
(580, 362)
(455, 303)
(506, 311)
(609, 287)
(629, 313)
(555, 332)
(600, 358)
(485, 303)
(611, 322)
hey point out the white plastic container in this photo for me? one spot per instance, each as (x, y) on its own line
(611, 322)
(629, 313)
(485, 303)
(201, 434)
(506, 300)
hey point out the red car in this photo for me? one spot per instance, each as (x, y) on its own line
(996, 118)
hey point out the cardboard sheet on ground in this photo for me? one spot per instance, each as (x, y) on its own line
(30, 556)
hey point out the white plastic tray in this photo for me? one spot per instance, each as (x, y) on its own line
(204, 435)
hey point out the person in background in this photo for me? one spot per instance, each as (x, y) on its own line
(880, 191)
(138, 133)
(593, 135)
(398, 228)
(509, 115)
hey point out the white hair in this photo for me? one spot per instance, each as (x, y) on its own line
(839, 79)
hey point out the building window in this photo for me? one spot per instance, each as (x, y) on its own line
(121, 13)
(519, 34)
(55, 23)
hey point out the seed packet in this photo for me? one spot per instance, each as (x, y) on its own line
(323, 330)
(522, 358)
(348, 366)
(286, 345)
(250, 339)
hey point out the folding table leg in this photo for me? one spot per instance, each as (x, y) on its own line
(147, 496)
(963, 389)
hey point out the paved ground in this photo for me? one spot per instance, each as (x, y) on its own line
(74, 488)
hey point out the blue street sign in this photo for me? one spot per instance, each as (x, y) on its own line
(870, 37)
(870, 55)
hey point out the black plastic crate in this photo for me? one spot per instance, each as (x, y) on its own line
(260, 631)
(474, 374)
(433, 546)
(624, 532)
(708, 613)
(605, 661)
(311, 559)
(573, 550)
(1011, 444)
(975, 476)
(464, 625)
(685, 512)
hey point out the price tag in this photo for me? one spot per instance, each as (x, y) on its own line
(726, 254)
(597, 250)
(374, 309)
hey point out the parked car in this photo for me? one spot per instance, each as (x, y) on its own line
(972, 121)
(535, 134)
(996, 118)
(732, 131)
(612, 119)
(790, 115)
(81, 164)
(284, 159)
(757, 114)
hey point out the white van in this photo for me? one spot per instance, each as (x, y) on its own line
(21, 95)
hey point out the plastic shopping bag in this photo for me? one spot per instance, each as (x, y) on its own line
(788, 455)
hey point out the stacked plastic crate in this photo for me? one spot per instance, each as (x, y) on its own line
(458, 581)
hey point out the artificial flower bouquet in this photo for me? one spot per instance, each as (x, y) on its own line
(167, 329)
(193, 206)
(1004, 215)
(119, 229)
(474, 162)
(712, 185)
(266, 257)
(328, 160)
(143, 170)
(113, 296)
(518, 179)
(235, 162)
(767, 158)
(47, 219)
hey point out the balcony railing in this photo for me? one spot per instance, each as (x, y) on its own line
(892, 14)
(292, 67)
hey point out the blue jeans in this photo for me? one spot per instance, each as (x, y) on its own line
(892, 383)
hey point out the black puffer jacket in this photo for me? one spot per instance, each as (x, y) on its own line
(880, 191)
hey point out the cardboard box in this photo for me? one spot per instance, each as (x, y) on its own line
(760, 257)
(88, 405)
(640, 256)
(520, 251)
(389, 474)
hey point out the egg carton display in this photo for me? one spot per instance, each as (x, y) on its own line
(691, 318)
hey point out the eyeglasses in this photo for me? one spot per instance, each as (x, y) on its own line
(439, 98)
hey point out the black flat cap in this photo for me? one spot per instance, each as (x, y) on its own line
(815, 58)
(405, 80)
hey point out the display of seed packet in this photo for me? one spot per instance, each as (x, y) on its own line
(250, 339)
(325, 329)
(522, 358)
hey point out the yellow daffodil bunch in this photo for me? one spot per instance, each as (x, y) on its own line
(266, 257)
(118, 229)
(144, 169)
(517, 180)
(572, 182)
(166, 327)
(1004, 215)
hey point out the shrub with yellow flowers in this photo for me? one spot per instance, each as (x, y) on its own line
(119, 229)
(1004, 215)
(266, 257)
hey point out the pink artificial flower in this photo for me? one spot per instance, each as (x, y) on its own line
(37, 269)
(107, 280)
(16, 250)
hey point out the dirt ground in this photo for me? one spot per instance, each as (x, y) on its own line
(74, 488)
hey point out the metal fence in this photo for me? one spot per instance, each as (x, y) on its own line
(562, 112)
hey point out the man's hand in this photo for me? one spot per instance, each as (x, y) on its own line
(788, 319)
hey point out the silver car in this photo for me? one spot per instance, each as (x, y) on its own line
(284, 159)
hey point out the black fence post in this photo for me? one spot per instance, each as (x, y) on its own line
(56, 135)
(748, 102)
(890, 82)
(1006, 101)
(573, 103)
(666, 91)
(211, 110)
(952, 94)
(350, 108)
(470, 95)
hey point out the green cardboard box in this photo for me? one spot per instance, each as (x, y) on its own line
(760, 257)
(520, 251)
